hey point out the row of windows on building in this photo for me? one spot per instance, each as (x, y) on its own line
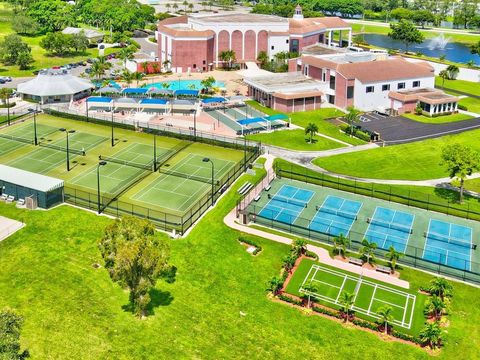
(386, 87)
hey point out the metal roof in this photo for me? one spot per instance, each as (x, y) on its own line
(54, 84)
(29, 179)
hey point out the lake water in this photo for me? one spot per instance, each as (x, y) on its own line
(456, 52)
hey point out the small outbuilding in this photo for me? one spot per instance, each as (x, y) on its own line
(93, 36)
(54, 86)
(44, 191)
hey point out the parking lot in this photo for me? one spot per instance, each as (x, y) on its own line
(397, 129)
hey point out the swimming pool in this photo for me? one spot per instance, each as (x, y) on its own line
(183, 85)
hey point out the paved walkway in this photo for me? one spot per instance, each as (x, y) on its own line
(9, 227)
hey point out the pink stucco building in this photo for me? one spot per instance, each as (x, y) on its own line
(195, 42)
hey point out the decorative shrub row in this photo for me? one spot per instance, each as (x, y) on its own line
(258, 248)
(289, 300)
(324, 311)
(311, 254)
(462, 107)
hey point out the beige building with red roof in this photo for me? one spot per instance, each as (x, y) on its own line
(368, 81)
(194, 43)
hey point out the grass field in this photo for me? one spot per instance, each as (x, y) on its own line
(42, 60)
(468, 87)
(295, 140)
(414, 161)
(318, 117)
(79, 315)
(472, 104)
(438, 119)
(330, 282)
(128, 173)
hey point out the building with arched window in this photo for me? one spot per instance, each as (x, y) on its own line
(194, 43)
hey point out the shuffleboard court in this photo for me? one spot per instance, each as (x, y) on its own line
(182, 185)
(369, 296)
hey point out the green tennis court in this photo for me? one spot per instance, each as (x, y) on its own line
(7, 145)
(137, 154)
(27, 130)
(44, 158)
(182, 185)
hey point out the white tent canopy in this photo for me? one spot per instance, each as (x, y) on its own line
(54, 84)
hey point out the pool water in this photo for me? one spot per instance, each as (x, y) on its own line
(183, 85)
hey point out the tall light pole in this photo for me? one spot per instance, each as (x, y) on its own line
(101, 163)
(34, 111)
(213, 175)
(154, 152)
(68, 149)
(245, 153)
(113, 139)
(194, 124)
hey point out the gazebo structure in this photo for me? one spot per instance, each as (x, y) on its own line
(54, 86)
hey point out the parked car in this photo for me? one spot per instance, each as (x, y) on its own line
(2, 81)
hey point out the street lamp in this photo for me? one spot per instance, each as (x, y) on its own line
(194, 124)
(101, 163)
(113, 139)
(68, 149)
(34, 111)
(154, 152)
(213, 173)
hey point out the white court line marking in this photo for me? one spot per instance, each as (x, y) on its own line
(371, 300)
(341, 288)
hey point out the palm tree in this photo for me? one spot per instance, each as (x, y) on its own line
(210, 4)
(190, 7)
(352, 117)
(386, 317)
(444, 75)
(204, 5)
(299, 247)
(311, 130)
(470, 63)
(275, 285)
(127, 76)
(125, 54)
(342, 242)
(346, 301)
(155, 67)
(137, 76)
(185, 4)
(393, 255)
(165, 85)
(368, 250)
(262, 58)
(452, 71)
(289, 262)
(441, 287)
(5, 94)
(99, 67)
(228, 56)
(166, 64)
(168, 6)
(431, 334)
(309, 289)
(435, 307)
(175, 7)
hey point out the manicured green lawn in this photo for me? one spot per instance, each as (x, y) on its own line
(42, 60)
(73, 310)
(414, 161)
(295, 140)
(468, 87)
(472, 104)
(317, 117)
(473, 185)
(439, 119)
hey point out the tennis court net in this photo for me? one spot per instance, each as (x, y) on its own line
(16, 138)
(61, 148)
(203, 179)
(341, 213)
(449, 240)
(390, 225)
(288, 200)
(147, 166)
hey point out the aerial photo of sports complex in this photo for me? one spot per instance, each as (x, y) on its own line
(239, 180)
